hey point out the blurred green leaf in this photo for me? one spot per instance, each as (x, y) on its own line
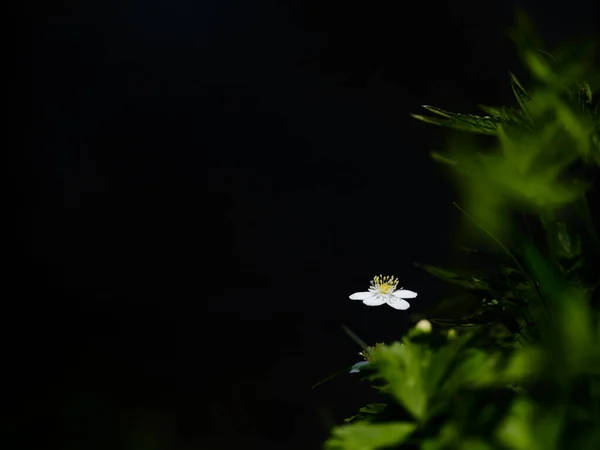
(367, 412)
(475, 444)
(468, 282)
(562, 241)
(521, 95)
(572, 333)
(442, 362)
(530, 428)
(400, 364)
(524, 364)
(369, 436)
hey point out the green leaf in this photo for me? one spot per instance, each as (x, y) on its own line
(503, 113)
(400, 364)
(475, 444)
(367, 411)
(369, 436)
(524, 364)
(442, 363)
(468, 282)
(457, 121)
(571, 319)
(521, 95)
(475, 368)
(529, 427)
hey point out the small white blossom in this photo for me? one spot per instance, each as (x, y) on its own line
(383, 290)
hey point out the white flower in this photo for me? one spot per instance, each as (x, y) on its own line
(383, 290)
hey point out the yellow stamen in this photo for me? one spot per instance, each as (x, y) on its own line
(384, 284)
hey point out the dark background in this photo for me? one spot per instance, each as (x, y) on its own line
(207, 183)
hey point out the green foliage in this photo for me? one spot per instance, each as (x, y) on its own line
(513, 362)
(369, 436)
(367, 412)
(553, 126)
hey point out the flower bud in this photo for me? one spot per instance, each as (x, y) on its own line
(452, 333)
(424, 326)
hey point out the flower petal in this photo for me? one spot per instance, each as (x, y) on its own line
(403, 293)
(375, 301)
(397, 303)
(361, 295)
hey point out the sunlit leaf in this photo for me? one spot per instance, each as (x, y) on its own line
(369, 436)
(401, 364)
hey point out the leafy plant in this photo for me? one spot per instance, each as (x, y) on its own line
(520, 369)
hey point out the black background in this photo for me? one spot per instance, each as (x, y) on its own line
(207, 183)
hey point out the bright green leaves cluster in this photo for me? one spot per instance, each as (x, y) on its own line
(369, 436)
(554, 126)
(524, 371)
(422, 379)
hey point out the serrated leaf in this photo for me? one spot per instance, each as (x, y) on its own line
(369, 436)
(502, 113)
(457, 121)
(442, 362)
(507, 116)
(400, 364)
(475, 368)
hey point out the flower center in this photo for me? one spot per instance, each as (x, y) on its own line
(384, 285)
